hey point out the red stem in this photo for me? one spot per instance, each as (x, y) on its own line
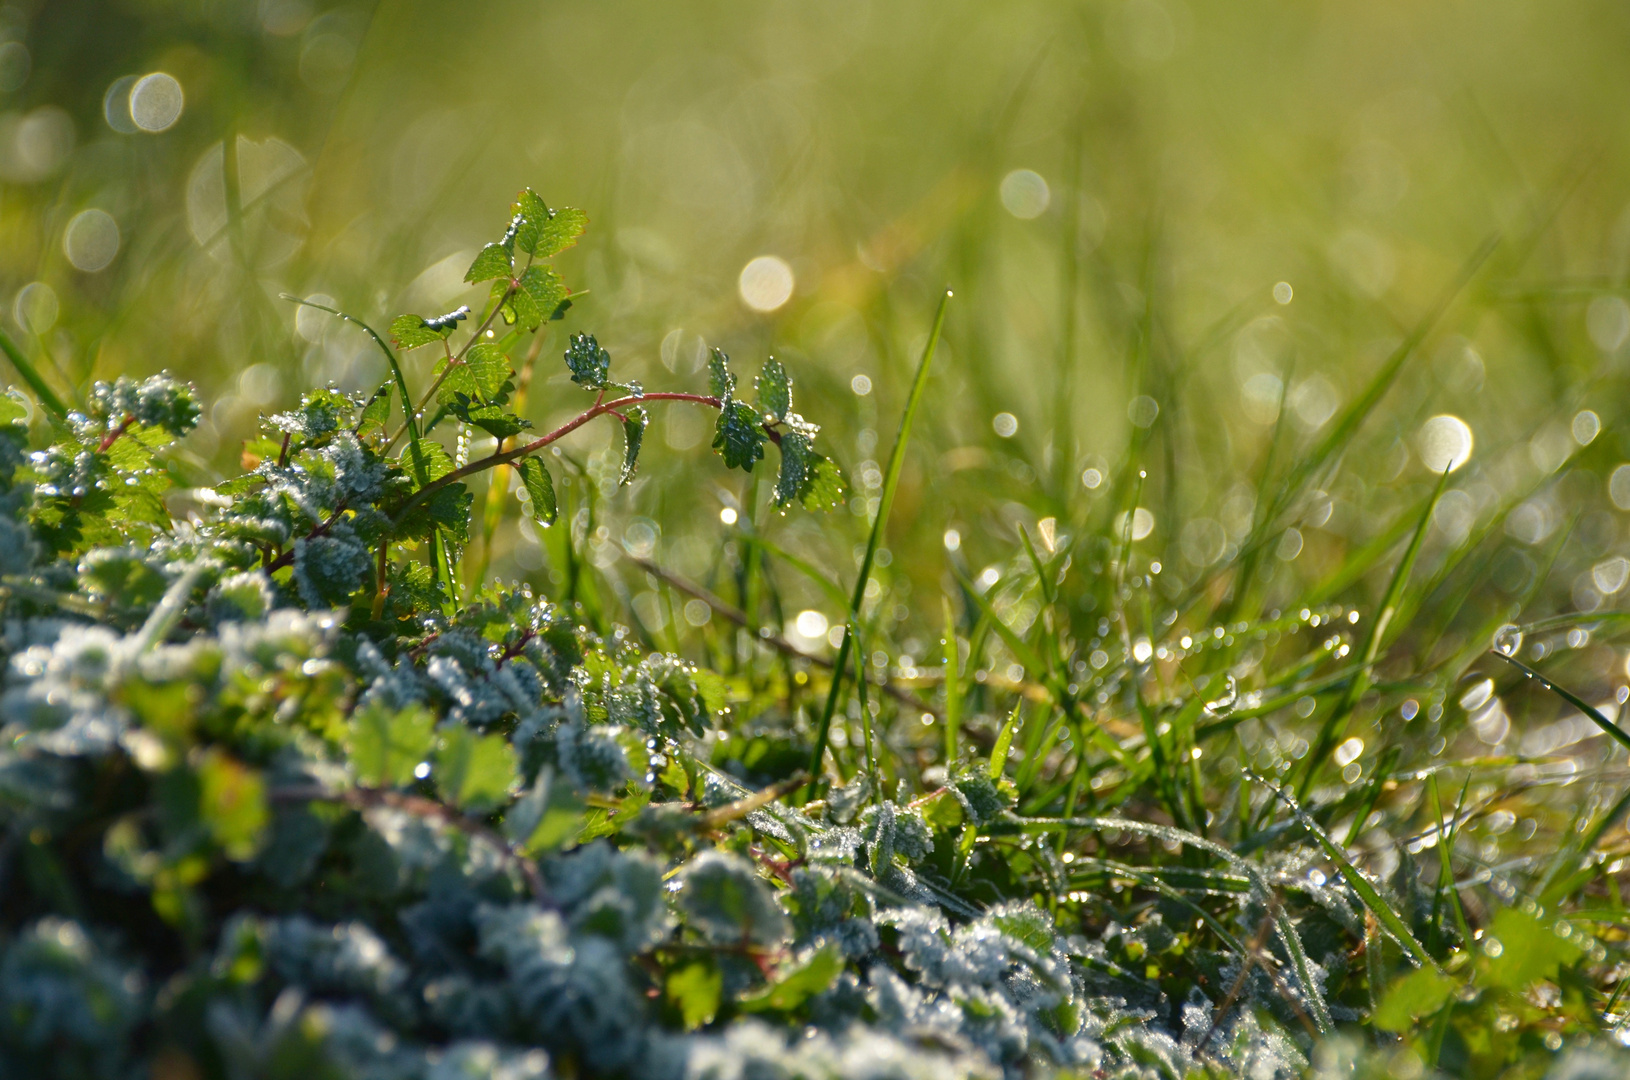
(600, 408)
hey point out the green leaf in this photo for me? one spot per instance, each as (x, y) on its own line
(412, 331)
(492, 419)
(796, 986)
(824, 489)
(483, 375)
(1522, 950)
(494, 261)
(634, 424)
(376, 415)
(449, 510)
(560, 231)
(12, 409)
(532, 213)
(738, 437)
(1412, 998)
(590, 364)
(474, 771)
(426, 461)
(540, 292)
(386, 746)
(547, 816)
(721, 381)
(540, 488)
(695, 989)
(1004, 743)
(774, 391)
(232, 803)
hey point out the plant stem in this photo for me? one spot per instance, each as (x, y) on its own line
(504, 457)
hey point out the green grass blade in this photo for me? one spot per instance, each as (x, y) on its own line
(953, 685)
(1355, 879)
(1335, 725)
(897, 460)
(31, 375)
(1617, 733)
(390, 356)
(1285, 929)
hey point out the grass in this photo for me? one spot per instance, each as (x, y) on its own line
(1283, 676)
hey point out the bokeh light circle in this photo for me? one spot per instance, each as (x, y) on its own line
(91, 240)
(36, 307)
(1025, 194)
(156, 102)
(766, 283)
(116, 105)
(1446, 443)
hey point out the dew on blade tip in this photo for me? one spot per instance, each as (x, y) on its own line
(1507, 640)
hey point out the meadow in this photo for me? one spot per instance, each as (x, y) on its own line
(932, 539)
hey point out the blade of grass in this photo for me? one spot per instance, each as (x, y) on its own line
(1335, 725)
(953, 686)
(1355, 879)
(31, 375)
(1285, 929)
(1617, 733)
(897, 459)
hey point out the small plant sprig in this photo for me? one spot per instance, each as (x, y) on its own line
(420, 495)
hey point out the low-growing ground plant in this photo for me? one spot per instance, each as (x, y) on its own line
(290, 788)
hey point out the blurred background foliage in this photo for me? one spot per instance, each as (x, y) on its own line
(1114, 189)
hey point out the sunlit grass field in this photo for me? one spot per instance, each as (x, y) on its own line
(1273, 450)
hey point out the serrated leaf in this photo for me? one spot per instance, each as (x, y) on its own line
(738, 437)
(590, 364)
(426, 461)
(449, 510)
(774, 390)
(721, 381)
(493, 261)
(797, 459)
(634, 424)
(797, 985)
(533, 212)
(482, 376)
(540, 488)
(386, 746)
(474, 771)
(540, 292)
(825, 488)
(489, 418)
(560, 231)
(376, 415)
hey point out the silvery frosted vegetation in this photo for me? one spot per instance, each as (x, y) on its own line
(283, 795)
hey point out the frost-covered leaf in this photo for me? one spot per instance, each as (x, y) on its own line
(412, 331)
(540, 489)
(724, 897)
(589, 363)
